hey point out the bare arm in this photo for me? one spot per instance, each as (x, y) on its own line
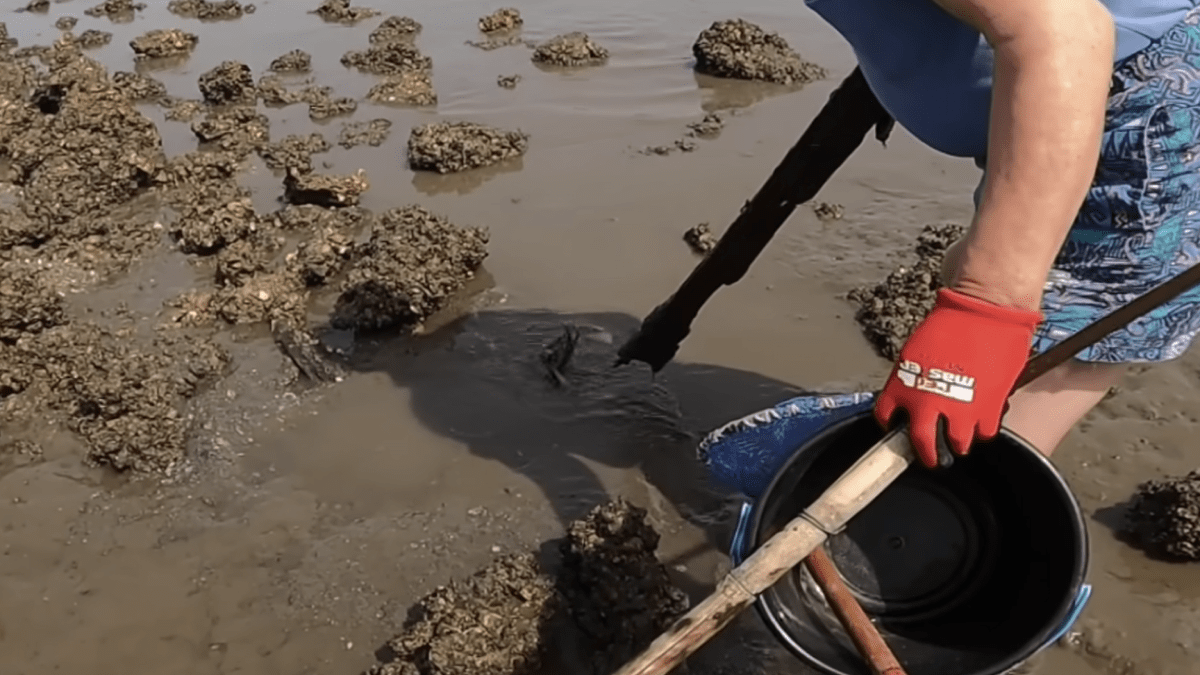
(1053, 70)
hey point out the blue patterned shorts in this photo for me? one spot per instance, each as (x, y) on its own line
(1140, 222)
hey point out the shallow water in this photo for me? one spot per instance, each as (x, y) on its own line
(319, 521)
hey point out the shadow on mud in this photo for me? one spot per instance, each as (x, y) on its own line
(481, 380)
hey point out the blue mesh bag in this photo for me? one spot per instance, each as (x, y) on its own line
(745, 454)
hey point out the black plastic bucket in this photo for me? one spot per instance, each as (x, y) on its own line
(968, 570)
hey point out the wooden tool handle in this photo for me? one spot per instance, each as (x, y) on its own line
(870, 643)
(861, 484)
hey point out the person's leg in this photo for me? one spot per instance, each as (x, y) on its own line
(1044, 411)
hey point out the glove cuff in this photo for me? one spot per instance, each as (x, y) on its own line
(1024, 318)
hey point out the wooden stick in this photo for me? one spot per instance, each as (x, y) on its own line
(871, 645)
(834, 134)
(737, 590)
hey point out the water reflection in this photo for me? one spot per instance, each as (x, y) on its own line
(719, 93)
(430, 184)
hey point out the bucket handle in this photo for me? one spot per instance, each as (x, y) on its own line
(1077, 606)
(741, 540)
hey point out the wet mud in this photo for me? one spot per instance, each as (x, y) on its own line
(890, 310)
(160, 312)
(610, 595)
(451, 147)
(742, 50)
(570, 50)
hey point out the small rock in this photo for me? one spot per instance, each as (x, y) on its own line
(395, 29)
(340, 11)
(501, 20)
(450, 147)
(570, 50)
(742, 50)
(295, 61)
(700, 238)
(826, 211)
(324, 190)
(163, 43)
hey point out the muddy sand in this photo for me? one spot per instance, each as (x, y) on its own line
(311, 404)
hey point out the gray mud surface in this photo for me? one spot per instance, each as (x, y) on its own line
(890, 310)
(742, 50)
(451, 147)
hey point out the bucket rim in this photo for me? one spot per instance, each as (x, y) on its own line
(1068, 606)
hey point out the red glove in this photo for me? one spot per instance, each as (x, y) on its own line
(960, 364)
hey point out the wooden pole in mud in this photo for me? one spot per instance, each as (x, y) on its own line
(834, 135)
